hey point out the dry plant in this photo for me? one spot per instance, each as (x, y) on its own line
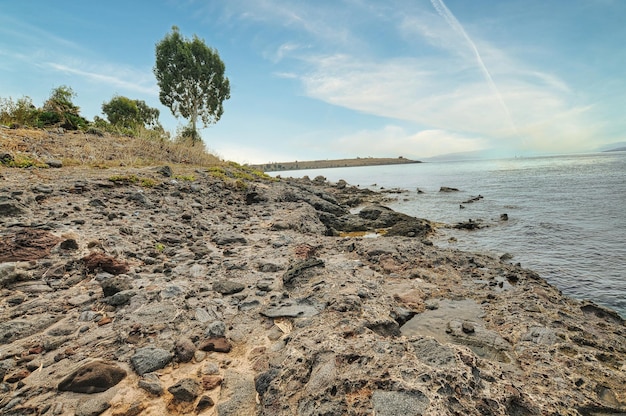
(76, 148)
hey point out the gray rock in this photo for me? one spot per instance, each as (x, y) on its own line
(237, 395)
(185, 350)
(185, 390)
(225, 238)
(215, 329)
(11, 209)
(228, 287)
(149, 359)
(399, 403)
(433, 353)
(540, 335)
(113, 284)
(54, 163)
(150, 382)
(120, 298)
(93, 406)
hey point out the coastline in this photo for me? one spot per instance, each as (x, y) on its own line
(215, 298)
(332, 163)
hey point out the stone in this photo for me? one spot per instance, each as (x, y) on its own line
(165, 171)
(237, 395)
(149, 359)
(399, 403)
(263, 380)
(204, 403)
(215, 329)
(431, 352)
(114, 284)
(150, 382)
(54, 163)
(93, 406)
(120, 298)
(185, 390)
(211, 382)
(185, 350)
(228, 287)
(217, 344)
(94, 377)
(99, 261)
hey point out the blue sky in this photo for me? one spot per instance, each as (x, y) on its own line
(327, 79)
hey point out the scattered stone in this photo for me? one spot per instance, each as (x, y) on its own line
(297, 269)
(26, 245)
(165, 171)
(94, 377)
(204, 403)
(98, 261)
(185, 390)
(54, 163)
(228, 287)
(215, 329)
(149, 359)
(217, 344)
(448, 189)
(150, 382)
(211, 382)
(185, 350)
(223, 239)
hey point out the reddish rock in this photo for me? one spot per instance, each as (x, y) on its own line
(100, 261)
(218, 344)
(211, 382)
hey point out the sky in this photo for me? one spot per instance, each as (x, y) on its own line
(326, 79)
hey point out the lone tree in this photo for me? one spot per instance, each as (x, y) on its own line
(191, 77)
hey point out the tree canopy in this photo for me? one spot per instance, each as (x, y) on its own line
(191, 77)
(124, 112)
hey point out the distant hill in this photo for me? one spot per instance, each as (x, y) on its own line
(334, 163)
(612, 147)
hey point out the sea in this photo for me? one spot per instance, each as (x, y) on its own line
(566, 214)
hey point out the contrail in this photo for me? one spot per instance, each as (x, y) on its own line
(444, 12)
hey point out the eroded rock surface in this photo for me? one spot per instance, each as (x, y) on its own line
(202, 297)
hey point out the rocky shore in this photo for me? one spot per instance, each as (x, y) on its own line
(152, 292)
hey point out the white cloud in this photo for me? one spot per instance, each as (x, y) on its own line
(126, 79)
(394, 141)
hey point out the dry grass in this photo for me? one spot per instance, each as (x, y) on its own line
(81, 149)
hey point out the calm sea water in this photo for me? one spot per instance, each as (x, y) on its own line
(567, 214)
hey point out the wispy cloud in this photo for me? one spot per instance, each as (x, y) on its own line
(132, 80)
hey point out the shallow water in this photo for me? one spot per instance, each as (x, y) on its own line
(567, 216)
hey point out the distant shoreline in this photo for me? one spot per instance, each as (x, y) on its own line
(335, 163)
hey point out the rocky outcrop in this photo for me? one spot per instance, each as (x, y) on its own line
(204, 297)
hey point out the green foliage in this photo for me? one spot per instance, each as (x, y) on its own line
(59, 109)
(191, 78)
(130, 114)
(188, 178)
(22, 161)
(20, 112)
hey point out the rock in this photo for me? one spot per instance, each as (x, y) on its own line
(26, 245)
(11, 209)
(228, 287)
(215, 329)
(433, 353)
(540, 335)
(165, 171)
(94, 377)
(70, 244)
(150, 382)
(448, 189)
(297, 269)
(93, 406)
(217, 344)
(112, 285)
(185, 390)
(237, 395)
(149, 359)
(185, 350)
(54, 163)
(399, 403)
(98, 261)
(204, 403)
(211, 382)
(263, 380)
(120, 298)
(226, 238)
